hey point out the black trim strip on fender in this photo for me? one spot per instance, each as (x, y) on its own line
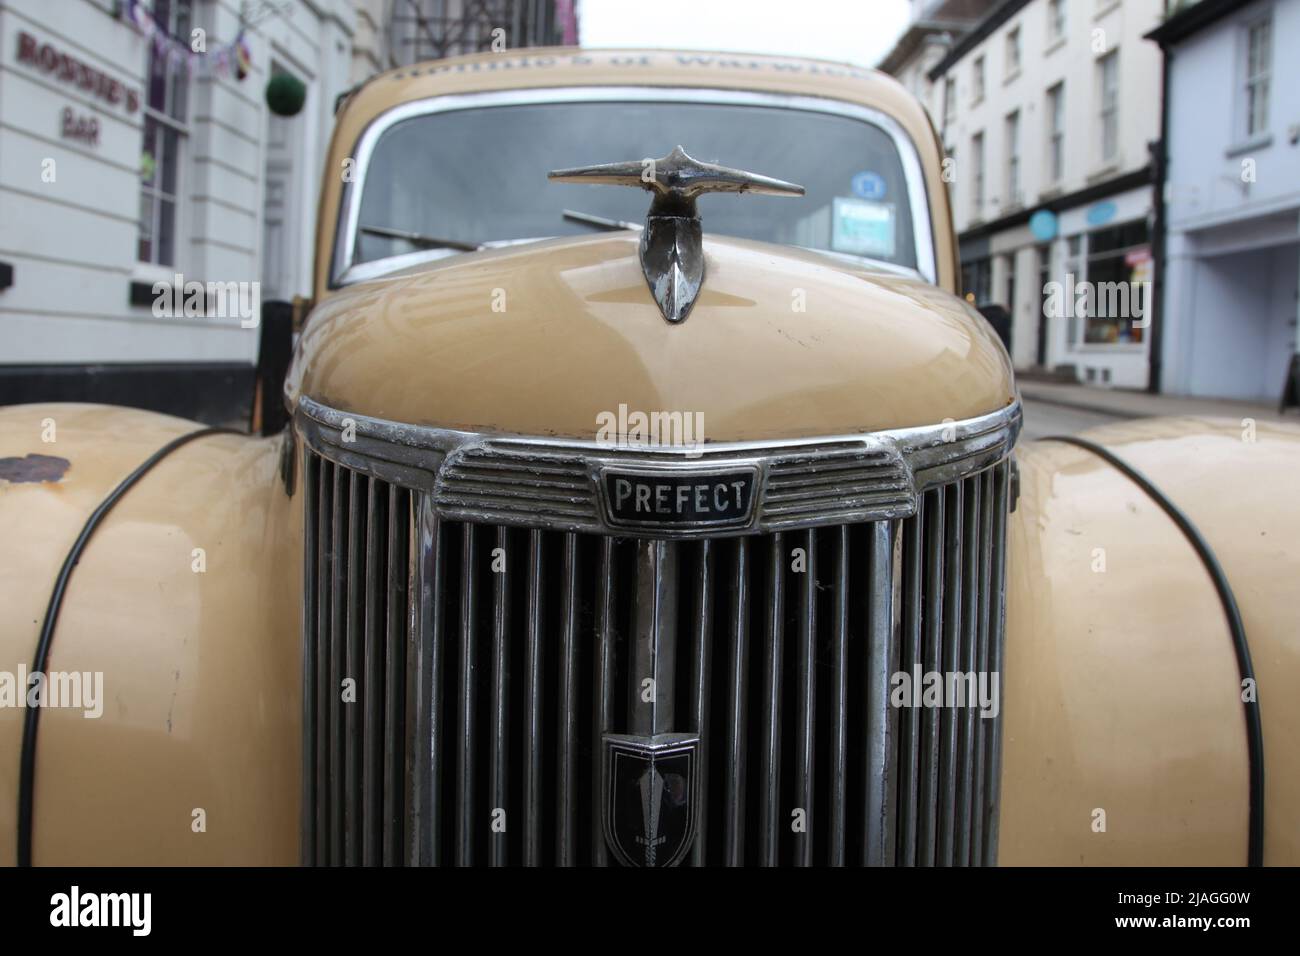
(1254, 725)
(27, 768)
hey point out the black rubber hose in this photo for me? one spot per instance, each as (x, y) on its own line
(1254, 725)
(27, 767)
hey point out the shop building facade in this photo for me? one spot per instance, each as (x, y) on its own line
(1052, 178)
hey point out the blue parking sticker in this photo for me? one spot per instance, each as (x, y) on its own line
(868, 185)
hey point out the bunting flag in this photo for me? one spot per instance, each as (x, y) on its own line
(174, 54)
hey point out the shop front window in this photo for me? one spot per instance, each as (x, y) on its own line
(1119, 273)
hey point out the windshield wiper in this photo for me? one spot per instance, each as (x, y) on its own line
(600, 222)
(419, 239)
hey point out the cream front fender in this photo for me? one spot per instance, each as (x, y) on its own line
(186, 600)
(1125, 733)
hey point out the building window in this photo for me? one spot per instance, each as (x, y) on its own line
(1013, 159)
(949, 101)
(977, 175)
(977, 80)
(1013, 52)
(165, 132)
(1108, 87)
(1055, 19)
(977, 280)
(1119, 260)
(1056, 133)
(1259, 61)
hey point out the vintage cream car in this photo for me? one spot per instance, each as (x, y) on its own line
(645, 526)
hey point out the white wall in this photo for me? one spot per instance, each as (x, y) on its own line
(73, 242)
(1207, 146)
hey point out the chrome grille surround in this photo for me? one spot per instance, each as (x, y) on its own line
(480, 692)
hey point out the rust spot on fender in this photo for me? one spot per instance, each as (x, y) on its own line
(34, 468)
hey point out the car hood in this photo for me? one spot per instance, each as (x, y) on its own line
(542, 338)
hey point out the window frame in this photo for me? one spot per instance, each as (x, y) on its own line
(1054, 111)
(1250, 82)
(173, 117)
(1057, 17)
(1011, 130)
(1108, 101)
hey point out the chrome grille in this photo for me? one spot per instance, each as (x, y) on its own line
(489, 659)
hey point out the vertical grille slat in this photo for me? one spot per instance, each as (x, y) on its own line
(310, 604)
(338, 583)
(770, 794)
(566, 740)
(353, 673)
(604, 677)
(806, 702)
(997, 637)
(467, 699)
(324, 605)
(737, 704)
(372, 732)
(703, 645)
(951, 657)
(395, 612)
(982, 667)
(425, 719)
(499, 780)
(839, 751)
(879, 638)
(966, 665)
(909, 731)
(932, 518)
(490, 661)
(532, 813)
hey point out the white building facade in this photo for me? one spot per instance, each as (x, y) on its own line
(1232, 198)
(136, 145)
(1049, 111)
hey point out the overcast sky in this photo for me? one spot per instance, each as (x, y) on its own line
(856, 31)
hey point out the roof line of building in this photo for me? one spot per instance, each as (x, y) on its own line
(980, 32)
(1192, 19)
(914, 36)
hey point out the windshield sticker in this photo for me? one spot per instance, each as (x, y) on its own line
(863, 228)
(869, 185)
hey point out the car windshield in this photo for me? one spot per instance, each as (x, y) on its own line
(456, 179)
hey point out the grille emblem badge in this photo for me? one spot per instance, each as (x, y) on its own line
(650, 797)
(667, 500)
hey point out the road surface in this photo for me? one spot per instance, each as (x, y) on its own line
(1043, 418)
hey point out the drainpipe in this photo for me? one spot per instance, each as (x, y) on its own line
(1160, 174)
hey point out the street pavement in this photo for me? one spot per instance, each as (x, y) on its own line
(1059, 409)
(1044, 418)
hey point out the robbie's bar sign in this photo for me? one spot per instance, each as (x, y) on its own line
(68, 69)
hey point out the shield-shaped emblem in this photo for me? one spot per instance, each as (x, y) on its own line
(650, 797)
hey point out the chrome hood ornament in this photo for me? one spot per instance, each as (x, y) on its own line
(672, 254)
